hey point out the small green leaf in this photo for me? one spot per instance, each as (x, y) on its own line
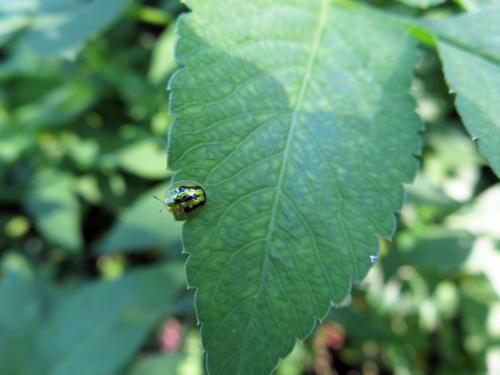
(106, 320)
(295, 116)
(469, 46)
(142, 225)
(54, 207)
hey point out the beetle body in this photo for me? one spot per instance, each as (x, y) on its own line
(185, 198)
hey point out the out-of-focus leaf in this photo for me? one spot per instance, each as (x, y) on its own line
(87, 186)
(192, 364)
(145, 158)
(142, 97)
(469, 46)
(113, 191)
(172, 6)
(452, 163)
(10, 24)
(162, 61)
(295, 363)
(475, 5)
(296, 117)
(57, 107)
(475, 33)
(15, 15)
(430, 89)
(476, 300)
(482, 217)
(422, 4)
(485, 259)
(361, 325)
(18, 6)
(13, 262)
(156, 365)
(13, 142)
(84, 151)
(20, 317)
(52, 203)
(97, 329)
(438, 250)
(64, 32)
(423, 195)
(142, 226)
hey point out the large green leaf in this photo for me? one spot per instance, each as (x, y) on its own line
(469, 46)
(20, 316)
(96, 330)
(295, 116)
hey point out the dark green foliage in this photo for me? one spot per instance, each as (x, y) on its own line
(297, 118)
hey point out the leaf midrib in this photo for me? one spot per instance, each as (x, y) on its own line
(297, 108)
(318, 34)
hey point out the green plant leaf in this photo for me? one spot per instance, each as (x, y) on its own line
(433, 249)
(106, 320)
(52, 203)
(156, 365)
(475, 5)
(162, 62)
(422, 4)
(143, 158)
(20, 317)
(10, 24)
(481, 216)
(142, 226)
(62, 29)
(295, 116)
(469, 47)
(57, 107)
(360, 325)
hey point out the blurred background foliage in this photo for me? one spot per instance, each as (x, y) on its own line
(91, 275)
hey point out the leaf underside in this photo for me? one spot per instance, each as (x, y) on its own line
(295, 116)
